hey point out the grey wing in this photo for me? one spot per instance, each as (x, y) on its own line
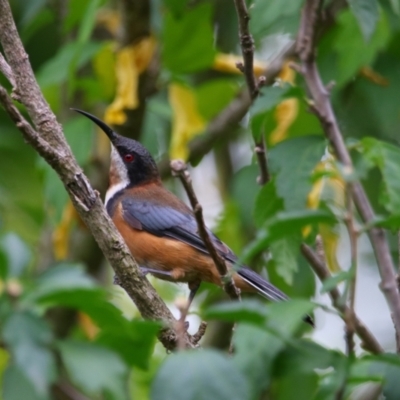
(169, 222)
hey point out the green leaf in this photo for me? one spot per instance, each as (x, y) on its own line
(351, 48)
(250, 311)
(267, 203)
(293, 162)
(388, 367)
(79, 135)
(284, 253)
(55, 71)
(269, 97)
(387, 158)
(277, 229)
(199, 375)
(286, 387)
(17, 253)
(133, 341)
(55, 194)
(16, 386)
(255, 351)
(265, 13)
(29, 339)
(95, 369)
(90, 301)
(306, 356)
(333, 281)
(391, 222)
(188, 41)
(367, 14)
(287, 317)
(213, 96)
(63, 277)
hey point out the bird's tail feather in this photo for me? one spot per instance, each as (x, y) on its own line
(262, 286)
(266, 289)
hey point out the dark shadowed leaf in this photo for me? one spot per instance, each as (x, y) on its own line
(16, 386)
(29, 339)
(95, 369)
(199, 375)
(133, 341)
(255, 350)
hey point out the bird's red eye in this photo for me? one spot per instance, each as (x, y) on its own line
(128, 157)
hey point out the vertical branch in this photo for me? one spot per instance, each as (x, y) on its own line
(353, 236)
(322, 108)
(247, 46)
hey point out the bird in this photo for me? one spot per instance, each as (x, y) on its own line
(159, 229)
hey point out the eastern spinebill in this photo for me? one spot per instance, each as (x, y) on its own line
(160, 229)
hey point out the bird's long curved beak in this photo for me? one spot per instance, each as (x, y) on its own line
(113, 136)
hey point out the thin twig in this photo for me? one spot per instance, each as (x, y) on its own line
(350, 313)
(369, 341)
(322, 107)
(247, 46)
(179, 169)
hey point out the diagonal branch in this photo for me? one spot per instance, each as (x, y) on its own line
(247, 45)
(322, 107)
(369, 341)
(179, 169)
(48, 140)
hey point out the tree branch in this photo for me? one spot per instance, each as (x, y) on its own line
(322, 108)
(247, 45)
(49, 141)
(179, 169)
(369, 341)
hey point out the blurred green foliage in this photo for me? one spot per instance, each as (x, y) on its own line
(65, 333)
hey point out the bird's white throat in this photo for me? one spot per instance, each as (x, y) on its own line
(119, 179)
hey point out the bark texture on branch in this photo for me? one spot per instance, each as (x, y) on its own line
(321, 105)
(47, 138)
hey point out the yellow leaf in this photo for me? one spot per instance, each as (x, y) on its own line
(331, 188)
(227, 63)
(130, 62)
(187, 121)
(88, 326)
(373, 76)
(62, 232)
(286, 112)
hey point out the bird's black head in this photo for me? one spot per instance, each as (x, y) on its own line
(131, 163)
